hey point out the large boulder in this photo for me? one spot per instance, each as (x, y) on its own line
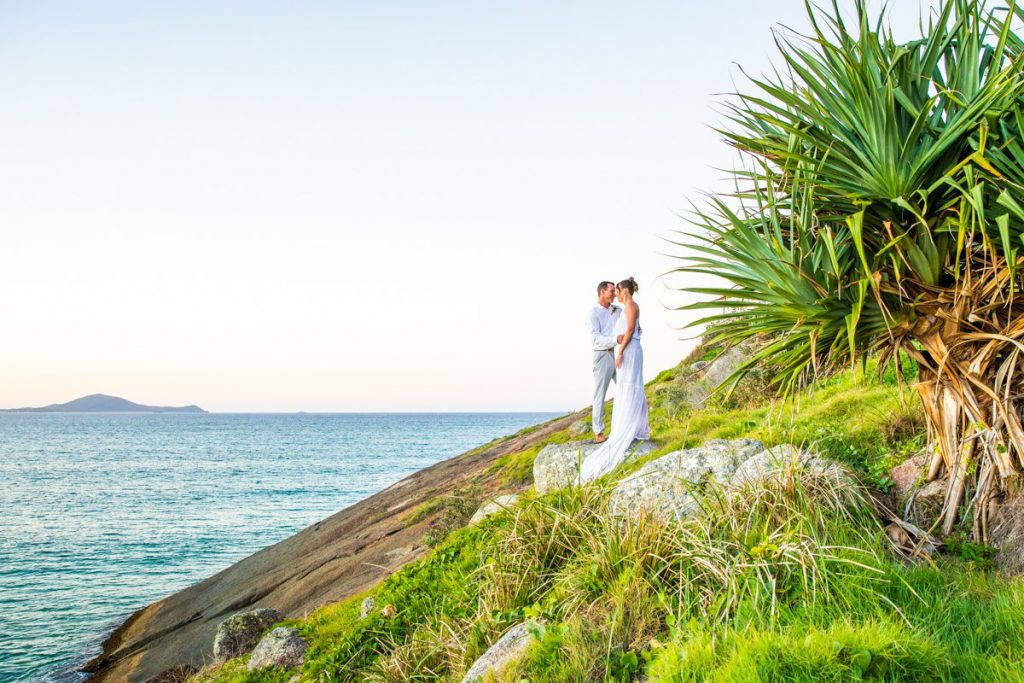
(283, 647)
(237, 634)
(496, 505)
(780, 461)
(558, 465)
(664, 487)
(506, 650)
(722, 367)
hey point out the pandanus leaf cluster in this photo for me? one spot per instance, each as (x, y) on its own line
(879, 209)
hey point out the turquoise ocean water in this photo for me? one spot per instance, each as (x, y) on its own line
(101, 514)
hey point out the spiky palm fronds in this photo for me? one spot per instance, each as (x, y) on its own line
(883, 210)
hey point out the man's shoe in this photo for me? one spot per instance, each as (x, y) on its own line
(600, 438)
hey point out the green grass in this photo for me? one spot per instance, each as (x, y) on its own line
(793, 581)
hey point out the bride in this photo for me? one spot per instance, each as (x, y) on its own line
(629, 411)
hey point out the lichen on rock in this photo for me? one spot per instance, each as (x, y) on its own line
(665, 486)
(494, 506)
(283, 647)
(558, 465)
(505, 650)
(781, 460)
(239, 633)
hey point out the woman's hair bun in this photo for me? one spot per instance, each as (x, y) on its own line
(629, 284)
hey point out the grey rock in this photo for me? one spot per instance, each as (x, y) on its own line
(699, 365)
(496, 505)
(579, 428)
(507, 649)
(367, 606)
(283, 647)
(239, 633)
(664, 487)
(781, 459)
(721, 368)
(691, 392)
(558, 465)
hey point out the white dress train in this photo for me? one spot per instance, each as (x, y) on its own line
(629, 410)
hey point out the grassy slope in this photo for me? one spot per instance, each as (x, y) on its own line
(793, 584)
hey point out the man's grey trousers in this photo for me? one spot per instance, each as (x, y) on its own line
(604, 373)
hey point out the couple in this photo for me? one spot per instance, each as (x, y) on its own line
(615, 332)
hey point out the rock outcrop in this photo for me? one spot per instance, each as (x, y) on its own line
(505, 650)
(722, 367)
(558, 465)
(239, 633)
(670, 487)
(780, 460)
(665, 487)
(579, 428)
(494, 506)
(283, 647)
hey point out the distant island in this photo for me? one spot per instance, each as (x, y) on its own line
(101, 403)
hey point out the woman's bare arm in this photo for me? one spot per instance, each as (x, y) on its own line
(632, 313)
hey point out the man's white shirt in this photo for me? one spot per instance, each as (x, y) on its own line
(601, 322)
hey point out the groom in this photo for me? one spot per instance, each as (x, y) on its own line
(601, 322)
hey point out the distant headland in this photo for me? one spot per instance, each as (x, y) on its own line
(101, 403)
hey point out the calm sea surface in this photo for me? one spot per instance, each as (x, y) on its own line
(101, 514)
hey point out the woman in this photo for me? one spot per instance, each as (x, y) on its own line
(629, 412)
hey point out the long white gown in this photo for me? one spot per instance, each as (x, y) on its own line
(629, 411)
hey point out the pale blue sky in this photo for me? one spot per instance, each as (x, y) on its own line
(350, 206)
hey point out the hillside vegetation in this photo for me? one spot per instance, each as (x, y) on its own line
(793, 581)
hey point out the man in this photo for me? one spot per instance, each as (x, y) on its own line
(601, 322)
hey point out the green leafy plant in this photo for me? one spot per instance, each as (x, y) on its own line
(880, 209)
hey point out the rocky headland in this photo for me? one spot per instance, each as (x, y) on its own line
(340, 556)
(497, 565)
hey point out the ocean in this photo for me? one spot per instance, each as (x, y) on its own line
(101, 514)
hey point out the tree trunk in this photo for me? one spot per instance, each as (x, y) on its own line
(974, 425)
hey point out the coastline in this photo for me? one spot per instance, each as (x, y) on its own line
(337, 557)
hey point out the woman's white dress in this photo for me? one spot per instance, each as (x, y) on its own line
(629, 411)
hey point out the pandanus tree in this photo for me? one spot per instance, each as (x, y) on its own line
(880, 211)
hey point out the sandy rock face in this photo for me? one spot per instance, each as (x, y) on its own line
(283, 647)
(507, 649)
(239, 633)
(665, 487)
(558, 465)
(496, 505)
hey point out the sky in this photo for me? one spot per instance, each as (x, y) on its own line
(353, 206)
